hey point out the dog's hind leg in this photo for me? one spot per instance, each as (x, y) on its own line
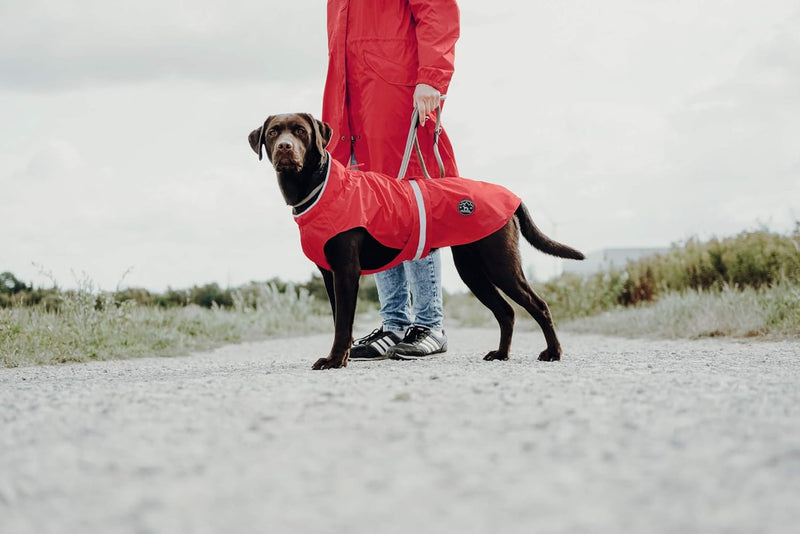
(519, 290)
(469, 267)
(499, 257)
(522, 294)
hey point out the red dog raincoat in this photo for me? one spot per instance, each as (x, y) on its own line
(411, 215)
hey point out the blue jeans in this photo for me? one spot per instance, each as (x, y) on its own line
(423, 304)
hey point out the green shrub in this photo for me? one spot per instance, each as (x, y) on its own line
(756, 259)
(750, 259)
(764, 263)
(10, 284)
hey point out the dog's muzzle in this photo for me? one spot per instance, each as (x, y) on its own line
(286, 159)
(285, 156)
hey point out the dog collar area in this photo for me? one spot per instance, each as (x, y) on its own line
(310, 195)
(319, 191)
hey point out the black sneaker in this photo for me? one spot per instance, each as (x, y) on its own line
(418, 343)
(374, 345)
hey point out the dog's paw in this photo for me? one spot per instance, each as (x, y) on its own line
(496, 355)
(548, 355)
(329, 363)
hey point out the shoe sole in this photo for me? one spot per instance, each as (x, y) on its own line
(367, 359)
(395, 356)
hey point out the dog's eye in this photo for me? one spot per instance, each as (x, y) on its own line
(272, 132)
(300, 130)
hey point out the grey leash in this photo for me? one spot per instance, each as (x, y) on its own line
(414, 141)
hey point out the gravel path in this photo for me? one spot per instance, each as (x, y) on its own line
(621, 436)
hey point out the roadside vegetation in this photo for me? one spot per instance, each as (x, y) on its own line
(746, 285)
(48, 326)
(743, 286)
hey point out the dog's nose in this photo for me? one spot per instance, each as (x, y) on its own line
(284, 146)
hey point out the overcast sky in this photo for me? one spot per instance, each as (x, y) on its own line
(622, 123)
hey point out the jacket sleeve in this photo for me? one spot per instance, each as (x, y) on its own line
(437, 33)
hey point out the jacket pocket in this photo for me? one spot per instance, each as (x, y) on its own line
(395, 64)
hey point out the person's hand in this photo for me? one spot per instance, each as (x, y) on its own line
(426, 100)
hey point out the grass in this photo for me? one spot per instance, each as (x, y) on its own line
(770, 312)
(749, 260)
(87, 326)
(743, 286)
(765, 313)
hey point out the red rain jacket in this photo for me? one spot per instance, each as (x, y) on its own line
(411, 215)
(379, 50)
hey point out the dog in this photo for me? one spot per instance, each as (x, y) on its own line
(487, 261)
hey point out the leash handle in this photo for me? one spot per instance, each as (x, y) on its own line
(413, 140)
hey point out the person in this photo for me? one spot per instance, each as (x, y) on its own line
(386, 57)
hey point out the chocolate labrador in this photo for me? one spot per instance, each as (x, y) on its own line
(295, 145)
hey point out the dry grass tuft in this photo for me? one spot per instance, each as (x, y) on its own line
(87, 326)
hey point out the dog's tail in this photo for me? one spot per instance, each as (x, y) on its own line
(536, 237)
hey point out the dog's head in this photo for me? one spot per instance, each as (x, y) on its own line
(291, 140)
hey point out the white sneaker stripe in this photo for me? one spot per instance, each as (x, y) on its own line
(428, 344)
(383, 344)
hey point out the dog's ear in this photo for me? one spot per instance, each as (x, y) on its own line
(325, 132)
(256, 139)
(322, 132)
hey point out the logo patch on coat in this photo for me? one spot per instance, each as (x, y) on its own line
(466, 207)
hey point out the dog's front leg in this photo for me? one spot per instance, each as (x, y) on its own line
(327, 279)
(342, 252)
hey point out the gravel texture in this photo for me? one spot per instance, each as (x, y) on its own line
(620, 436)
